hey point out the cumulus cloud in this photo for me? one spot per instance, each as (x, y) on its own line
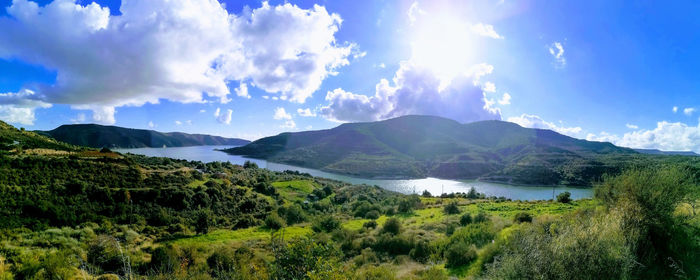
(180, 50)
(151, 125)
(556, 49)
(534, 121)
(19, 107)
(178, 123)
(632, 126)
(485, 30)
(667, 136)
(224, 118)
(281, 114)
(688, 111)
(80, 118)
(242, 91)
(505, 100)
(674, 109)
(306, 112)
(415, 90)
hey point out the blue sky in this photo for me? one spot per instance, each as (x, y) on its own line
(596, 70)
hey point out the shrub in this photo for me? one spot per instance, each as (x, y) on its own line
(370, 224)
(202, 222)
(392, 226)
(477, 234)
(451, 208)
(480, 217)
(465, 219)
(274, 222)
(421, 252)
(327, 224)
(460, 254)
(408, 204)
(374, 214)
(426, 193)
(292, 214)
(564, 197)
(522, 217)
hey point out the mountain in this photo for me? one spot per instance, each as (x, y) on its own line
(93, 135)
(420, 146)
(660, 152)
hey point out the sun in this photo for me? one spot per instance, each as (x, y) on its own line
(443, 44)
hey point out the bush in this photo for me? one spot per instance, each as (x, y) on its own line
(465, 219)
(480, 217)
(421, 252)
(293, 214)
(392, 226)
(451, 208)
(564, 197)
(372, 215)
(426, 193)
(327, 224)
(522, 217)
(202, 222)
(460, 254)
(408, 204)
(370, 224)
(274, 222)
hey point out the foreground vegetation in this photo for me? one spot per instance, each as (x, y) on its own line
(73, 213)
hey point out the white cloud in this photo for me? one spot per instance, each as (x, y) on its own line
(306, 112)
(178, 123)
(19, 107)
(489, 87)
(242, 91)
(151, 125)
(666, 136)
(289, 124)
(188, 122)
(675, 109)
(556, 49)
(202, 111)
(485, 30)
(179, 50)
(632, 126)
(380, 65)
(505, 100)
(224, 118)
(414, 11)
(415, 90)
(688, 111)
(266, 97)
(80, 118)
(281, 114)
(534, 121)
(308, 127)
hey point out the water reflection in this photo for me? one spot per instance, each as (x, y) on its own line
(434, 185)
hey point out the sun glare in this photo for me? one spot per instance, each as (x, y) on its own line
(442, 44)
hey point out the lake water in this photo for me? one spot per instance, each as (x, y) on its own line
(434, 185)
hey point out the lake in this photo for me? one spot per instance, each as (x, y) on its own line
(434, 185)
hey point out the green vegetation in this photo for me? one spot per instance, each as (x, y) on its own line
(98, 136)
(77, 213)
(421, 146)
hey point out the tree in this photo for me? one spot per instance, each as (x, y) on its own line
(564, 197)
(472, 194)
(426, 193)
(274, 222)
(392, 225)
(451, 208)
(465, 219)
(202, 222)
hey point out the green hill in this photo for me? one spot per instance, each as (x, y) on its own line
(420, 146)
(93, 135)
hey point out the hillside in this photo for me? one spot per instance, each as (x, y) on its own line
(97, 136)
(660, 152)
(420, 146)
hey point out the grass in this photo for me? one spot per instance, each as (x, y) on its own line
(295, 189)
(220, 236)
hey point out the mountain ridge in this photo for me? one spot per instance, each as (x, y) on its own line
(98, 136)
(426, 146)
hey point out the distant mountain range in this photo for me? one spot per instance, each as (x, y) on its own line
(420, 146)
(659, 152)
(98, 136)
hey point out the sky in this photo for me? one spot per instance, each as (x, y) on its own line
(597, 70)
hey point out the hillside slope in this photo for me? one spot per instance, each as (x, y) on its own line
(97, 136)
(420, 146)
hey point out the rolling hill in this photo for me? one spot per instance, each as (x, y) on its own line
(420, 146)
(97, 136)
